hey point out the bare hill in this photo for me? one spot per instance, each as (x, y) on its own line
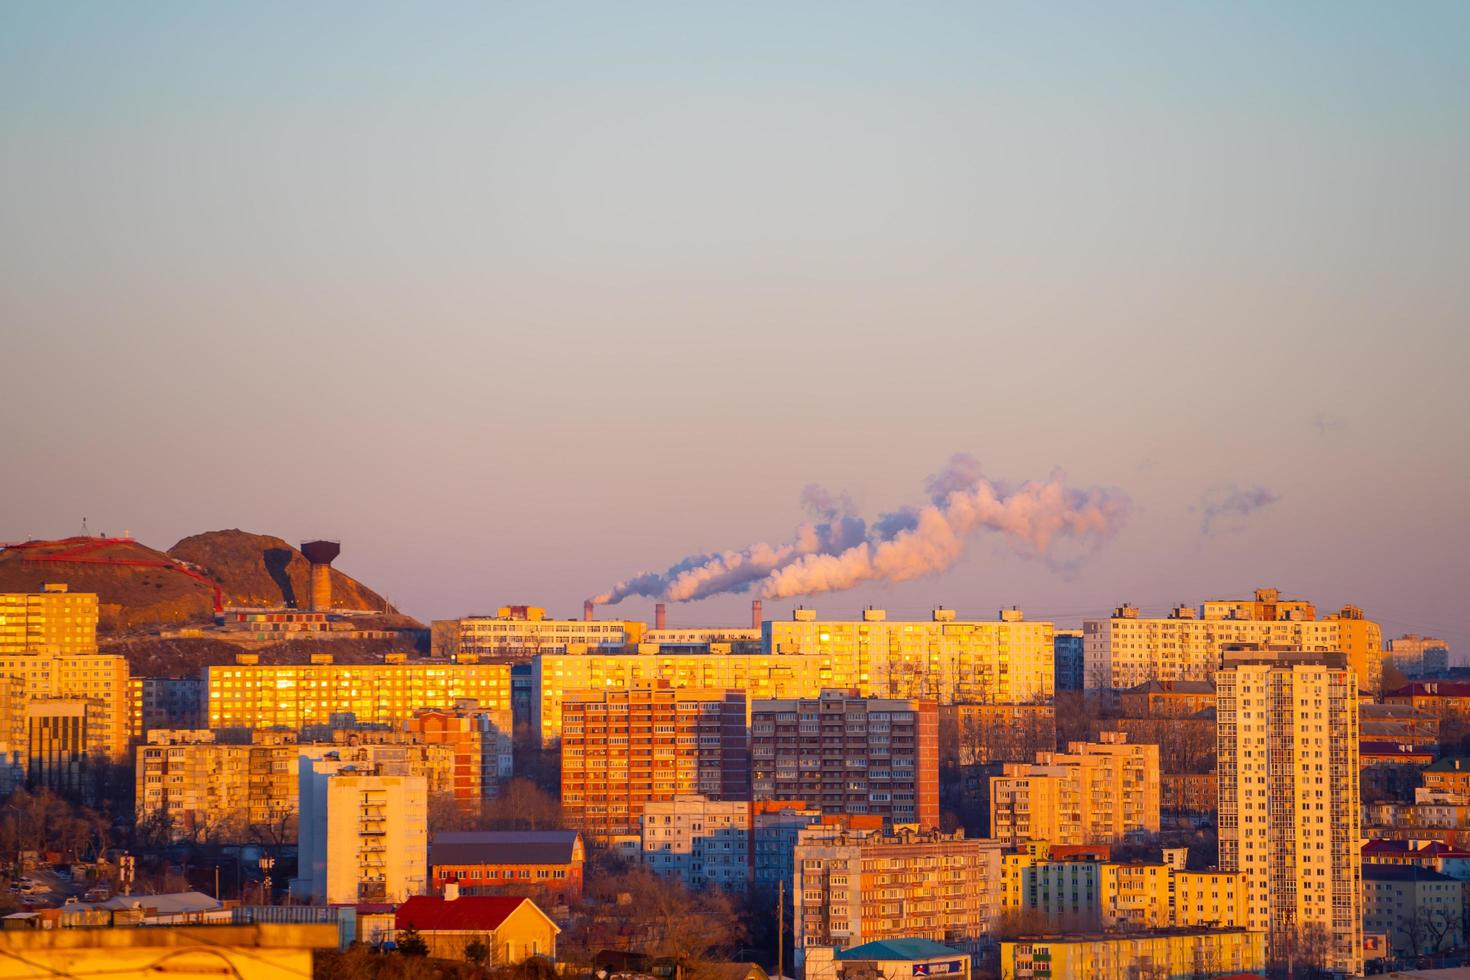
(262, 570)
(135, 585)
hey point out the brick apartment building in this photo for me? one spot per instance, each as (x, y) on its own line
(842, 753)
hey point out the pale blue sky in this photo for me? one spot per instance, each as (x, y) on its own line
(520, 300)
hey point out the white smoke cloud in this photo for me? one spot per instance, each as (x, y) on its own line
(1233, 501)
(841, 550)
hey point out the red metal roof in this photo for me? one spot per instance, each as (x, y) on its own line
(481, 913)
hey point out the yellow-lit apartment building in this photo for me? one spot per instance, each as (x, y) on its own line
(1094, 793)
(1128, 649)
(196, 787)
(1193, 952)
(521, 632)
(1290, 811)
(48, 646)
(1079, 892)
(249, 694)
(945, 660)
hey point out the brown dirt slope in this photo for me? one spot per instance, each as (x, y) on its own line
(130, 596)
(262, 570)
(157, 657)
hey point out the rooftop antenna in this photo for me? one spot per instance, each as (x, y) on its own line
(84, 527)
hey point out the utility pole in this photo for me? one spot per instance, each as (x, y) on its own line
(781, 929)
(216, 883)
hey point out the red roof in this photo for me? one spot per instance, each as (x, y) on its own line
(474, 913)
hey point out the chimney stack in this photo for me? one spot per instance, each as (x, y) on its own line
(587, 608)
(755, 614)
(321, 555)
(660, 619)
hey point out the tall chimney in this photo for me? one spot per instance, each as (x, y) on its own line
(660, 619)
(755, 614)
(321, 554)
(587, 608)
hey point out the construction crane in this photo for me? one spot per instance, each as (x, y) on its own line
(79, 551)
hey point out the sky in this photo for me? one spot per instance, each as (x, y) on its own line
(519, 301)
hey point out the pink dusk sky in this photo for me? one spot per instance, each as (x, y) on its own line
(520, 302)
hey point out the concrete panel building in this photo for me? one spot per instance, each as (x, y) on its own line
(53, 621)
(1094, 793)
(249, 694)
(1289, 812)
(843, 753)
(363, 836)
(853, 887)
(702, 842)
(624, 748)
(1129, 649)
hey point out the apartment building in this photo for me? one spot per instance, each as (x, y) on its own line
(517, 633)
(843, 753)
(57, 739)
(481, 740)
(249, 694)
(1416, 655)
(943, 659)
(52, 621)
(197, 783)
(363, 835)
(166, 702)
(1420, 910)
(1070, 665)
(1094, 793)
(1078, 889)
(853, 887)
(1289, 813)
(774, 828)
(624, 748)
(699, 840)
(704, 639)
(1192, 952)
(555, 677)
(1129, 649)
(97, 677)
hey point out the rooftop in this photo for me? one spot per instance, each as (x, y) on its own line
(470, 913)
(899, 949)
(503, 847)
(1402, 872)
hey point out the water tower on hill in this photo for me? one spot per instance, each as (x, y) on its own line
(321, 554)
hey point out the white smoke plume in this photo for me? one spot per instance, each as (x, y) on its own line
(839, 550)
(1233, 501)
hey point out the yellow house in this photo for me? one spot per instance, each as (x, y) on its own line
(266, 951)
(511, 927)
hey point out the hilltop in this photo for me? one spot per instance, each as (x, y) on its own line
(262, 570)
(140, 589)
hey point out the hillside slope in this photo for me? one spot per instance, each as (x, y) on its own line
(135, 594)
(262, 570)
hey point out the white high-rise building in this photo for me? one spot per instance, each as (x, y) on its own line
(1129, 649)
(1289, 798)
(363, 836)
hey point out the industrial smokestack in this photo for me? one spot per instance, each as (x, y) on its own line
(755, 614)
(321, 554)
(660, 616)
(587, 608)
